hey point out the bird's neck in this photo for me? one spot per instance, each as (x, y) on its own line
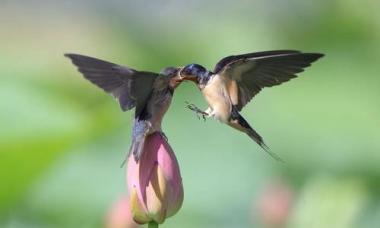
(203, 80)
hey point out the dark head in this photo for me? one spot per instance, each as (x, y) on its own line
(173, 74)
(194, 72)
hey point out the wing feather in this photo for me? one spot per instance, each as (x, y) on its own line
(255, 71)
(229, 59)
(132, 88)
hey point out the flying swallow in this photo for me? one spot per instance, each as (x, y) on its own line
(149, 93)
(236, 79)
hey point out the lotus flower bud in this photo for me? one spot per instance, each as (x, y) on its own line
(154, 182)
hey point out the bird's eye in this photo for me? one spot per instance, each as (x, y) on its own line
(188, 69)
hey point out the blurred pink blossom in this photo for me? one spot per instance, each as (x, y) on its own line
(154, 183)
(274, 204)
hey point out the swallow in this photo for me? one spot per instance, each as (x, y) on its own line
(236, 79)
(149, 93)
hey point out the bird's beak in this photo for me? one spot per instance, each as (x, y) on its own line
(180, 73)
(185, 76)
(176, 79)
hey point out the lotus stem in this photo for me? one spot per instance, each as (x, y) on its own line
(153, 225)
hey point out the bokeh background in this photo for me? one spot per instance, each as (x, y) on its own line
(62, 140)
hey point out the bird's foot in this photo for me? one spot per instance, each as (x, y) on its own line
(197, 110)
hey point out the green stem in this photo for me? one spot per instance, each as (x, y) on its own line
(153, 224)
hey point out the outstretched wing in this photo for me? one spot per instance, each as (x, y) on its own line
(131, 87)
(248, 74)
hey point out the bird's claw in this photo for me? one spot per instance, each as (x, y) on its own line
(197, 110)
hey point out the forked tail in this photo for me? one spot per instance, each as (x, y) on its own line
(238, 122)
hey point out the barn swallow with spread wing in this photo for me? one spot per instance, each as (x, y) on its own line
(150, 93)
(237, 79)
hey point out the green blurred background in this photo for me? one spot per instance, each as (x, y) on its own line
(62, 140)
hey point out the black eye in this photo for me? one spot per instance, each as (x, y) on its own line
(188, 69)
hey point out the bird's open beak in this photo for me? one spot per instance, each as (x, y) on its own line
(176, 79)
(180, 73)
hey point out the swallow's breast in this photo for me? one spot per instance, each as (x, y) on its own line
(160, 105)
(216, 95)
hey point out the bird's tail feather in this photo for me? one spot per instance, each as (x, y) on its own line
(136, 149)
(241, 124)
(259, 140)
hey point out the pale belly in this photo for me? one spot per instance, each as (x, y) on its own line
(218, 99)
(161, 106)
